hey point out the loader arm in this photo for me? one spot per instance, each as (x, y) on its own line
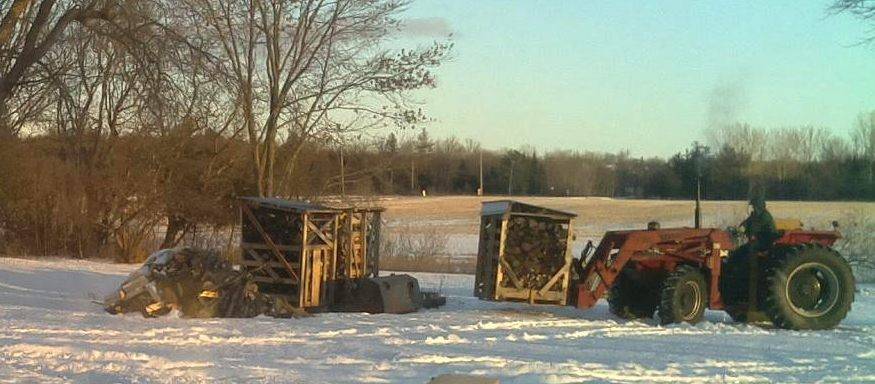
(658, 251)
(603, 268)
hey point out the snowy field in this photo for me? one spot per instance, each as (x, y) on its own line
(50, 331)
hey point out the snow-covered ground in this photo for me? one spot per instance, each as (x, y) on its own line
(50, 331)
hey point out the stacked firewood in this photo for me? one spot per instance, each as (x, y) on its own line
(534, 249)
(284, 228)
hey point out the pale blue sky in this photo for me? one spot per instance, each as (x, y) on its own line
(644, 76)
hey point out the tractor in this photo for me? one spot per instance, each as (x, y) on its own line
(798, 282)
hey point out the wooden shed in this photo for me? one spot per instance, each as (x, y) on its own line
(303, 250)
(524, 253)
(290, 248)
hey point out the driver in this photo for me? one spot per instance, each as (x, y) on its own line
(759, 227)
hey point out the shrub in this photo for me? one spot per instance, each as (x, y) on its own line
(857, 245)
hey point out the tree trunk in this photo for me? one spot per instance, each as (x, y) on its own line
(177, 227)
(5, 128)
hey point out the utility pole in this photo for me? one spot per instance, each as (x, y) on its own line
(697, 153)
(480, 190)
(510, 180)
(698, 221)
(412, 176)
(342, 173)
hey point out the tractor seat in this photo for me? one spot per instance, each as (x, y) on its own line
(784, 225)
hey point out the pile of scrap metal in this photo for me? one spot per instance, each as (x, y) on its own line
(197, 283)
(295, 257)
(201, 284)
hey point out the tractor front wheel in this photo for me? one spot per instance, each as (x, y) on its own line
(684, 296)
(809, 287)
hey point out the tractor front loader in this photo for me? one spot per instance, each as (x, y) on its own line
(799, 282)
(674, 272)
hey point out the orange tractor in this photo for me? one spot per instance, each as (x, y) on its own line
(795, 279)
(799, 282)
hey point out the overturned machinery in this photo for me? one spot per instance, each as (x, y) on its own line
(197, 283)
(295, 258)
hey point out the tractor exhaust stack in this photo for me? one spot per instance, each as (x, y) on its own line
(698, 213)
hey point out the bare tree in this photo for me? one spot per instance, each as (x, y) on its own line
(857, 243)
(307, 69)
(864, 141)
(861, 9)
(28, 29)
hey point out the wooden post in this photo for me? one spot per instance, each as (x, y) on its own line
(349, 263)
(333, 267)
(499, 274)
(363, 227)
(377, 227)
(569, 258)
(304, 286)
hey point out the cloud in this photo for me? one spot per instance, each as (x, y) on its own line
(431, 27)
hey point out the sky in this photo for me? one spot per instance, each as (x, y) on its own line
(649, 77)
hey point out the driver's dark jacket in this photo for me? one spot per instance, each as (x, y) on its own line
(760, 228)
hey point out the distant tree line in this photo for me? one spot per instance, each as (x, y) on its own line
(73, 194)
(801, 163)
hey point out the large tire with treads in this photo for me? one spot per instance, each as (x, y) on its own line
(684, 296)
(629, 300)
(808, 287)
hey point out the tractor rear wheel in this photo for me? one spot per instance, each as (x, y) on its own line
(684, 296)
(630, 301)
(809, 287)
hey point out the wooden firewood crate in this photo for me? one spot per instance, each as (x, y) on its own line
(524, 253)
(302, 250)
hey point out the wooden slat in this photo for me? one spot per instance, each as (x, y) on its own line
(569, 259)
(260, 263)
(266, 237)
(560, 274)
(327, 225)
(361, 245)
(526, 295)
(319, 247)
(541, 215)
(291, 248)
(274, 264)
(319, 233)
(265, 279)
(305, 267)
(513, 277)
(499, 273)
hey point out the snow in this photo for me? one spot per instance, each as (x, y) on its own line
(51, 331)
